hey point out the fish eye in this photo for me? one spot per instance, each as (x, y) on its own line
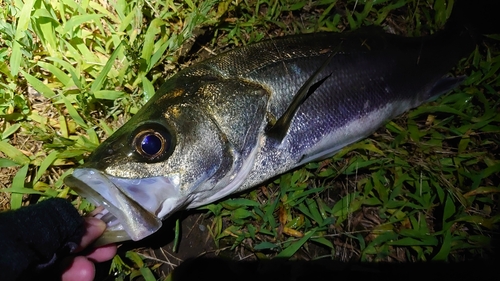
(153, 142)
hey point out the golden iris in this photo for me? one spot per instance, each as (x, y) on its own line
(150, 144)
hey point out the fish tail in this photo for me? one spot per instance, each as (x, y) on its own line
(474, 17)
(464, 30)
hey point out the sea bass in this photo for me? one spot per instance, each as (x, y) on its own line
(233, 121)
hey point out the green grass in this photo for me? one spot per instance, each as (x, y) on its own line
(424, 187)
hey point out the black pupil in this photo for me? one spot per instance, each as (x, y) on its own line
(151, 144)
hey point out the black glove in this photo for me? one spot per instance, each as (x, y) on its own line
(33, 237)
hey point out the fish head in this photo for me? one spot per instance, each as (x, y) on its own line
(160, 161)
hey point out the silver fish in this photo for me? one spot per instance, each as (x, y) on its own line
(238, 119)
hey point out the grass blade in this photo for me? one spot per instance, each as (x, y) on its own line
(15, 58)
(45, 165)
(292, 249)
(23, 21)
(13, 153)
(74, 114)
(99, 81)
(38, 85)
(147, 88)
(108, 94)
(76, 21)
(16, 198)
(64, 78)
(10, 130)
(6, 163)
(149, 41)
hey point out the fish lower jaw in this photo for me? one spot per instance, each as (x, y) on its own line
(124, 217)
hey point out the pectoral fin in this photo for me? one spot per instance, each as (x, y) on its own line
(278, 129)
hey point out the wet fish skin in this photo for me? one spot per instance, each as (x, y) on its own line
(212, 117)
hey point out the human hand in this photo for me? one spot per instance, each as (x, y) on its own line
(81, 268)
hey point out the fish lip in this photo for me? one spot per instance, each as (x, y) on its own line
(128, 220)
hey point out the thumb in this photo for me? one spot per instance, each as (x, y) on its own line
(94, 228)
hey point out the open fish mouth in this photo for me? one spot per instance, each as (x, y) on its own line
(124, 217)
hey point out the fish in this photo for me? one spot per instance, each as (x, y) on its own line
(243, 117)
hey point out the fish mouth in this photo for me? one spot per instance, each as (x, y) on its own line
(125, 218)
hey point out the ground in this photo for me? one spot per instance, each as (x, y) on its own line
(422, 188)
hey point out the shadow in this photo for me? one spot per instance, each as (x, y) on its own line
(274, 270)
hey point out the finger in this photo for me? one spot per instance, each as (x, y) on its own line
(94, 228)
(103, 253)
(80, 269)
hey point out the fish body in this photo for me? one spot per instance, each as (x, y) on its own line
(205, 134)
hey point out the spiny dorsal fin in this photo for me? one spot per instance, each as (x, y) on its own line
(279, 129)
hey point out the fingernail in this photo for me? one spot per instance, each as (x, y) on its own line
(95, 222)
